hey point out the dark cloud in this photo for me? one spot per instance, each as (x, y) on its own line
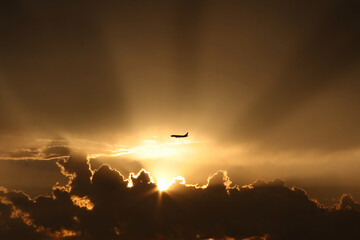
(122, 164)
(12, 226)
(53, 149)
(347, 202)
(37, 177)
(56, 151)
(79, 173)
(100, 205)
(284, 73)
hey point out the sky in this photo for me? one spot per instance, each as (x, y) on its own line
(268, 92)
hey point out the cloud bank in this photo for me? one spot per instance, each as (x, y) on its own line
(100, 205)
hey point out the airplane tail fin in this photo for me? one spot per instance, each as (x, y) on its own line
(187, 134)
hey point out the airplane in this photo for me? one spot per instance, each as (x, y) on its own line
(180, 136)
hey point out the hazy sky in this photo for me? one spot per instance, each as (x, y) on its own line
(265, 89)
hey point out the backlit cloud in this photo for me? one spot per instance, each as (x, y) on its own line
(102, 204)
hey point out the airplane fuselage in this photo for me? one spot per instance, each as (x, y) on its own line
(180, 136)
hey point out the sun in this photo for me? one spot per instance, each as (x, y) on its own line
(162, 185)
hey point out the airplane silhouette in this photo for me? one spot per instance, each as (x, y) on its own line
(180, 136)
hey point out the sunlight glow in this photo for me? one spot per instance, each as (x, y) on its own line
(162, 185)
(152, 149)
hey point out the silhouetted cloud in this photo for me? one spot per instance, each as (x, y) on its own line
(12, 226)
(347, 202)
(253, 80)
(79, 172)
(101, 204)
(56, 151)
(37, 175)
(122, 164)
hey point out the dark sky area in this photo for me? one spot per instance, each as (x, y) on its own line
(268, 91)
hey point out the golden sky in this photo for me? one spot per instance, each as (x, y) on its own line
(266, 90)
